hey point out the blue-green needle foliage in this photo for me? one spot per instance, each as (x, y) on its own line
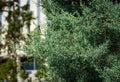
(82, 44)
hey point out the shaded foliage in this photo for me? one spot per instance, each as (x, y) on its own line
(8, 70)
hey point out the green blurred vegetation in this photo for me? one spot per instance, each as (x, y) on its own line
(17, 18)
(7, 70)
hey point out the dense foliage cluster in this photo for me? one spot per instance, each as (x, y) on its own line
(82, 42)
(8, 70)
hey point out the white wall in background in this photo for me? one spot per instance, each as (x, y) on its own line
(33, 8)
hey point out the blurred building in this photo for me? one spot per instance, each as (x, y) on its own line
(38, 14)
(38, 22)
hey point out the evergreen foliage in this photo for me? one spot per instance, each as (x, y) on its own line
(34, 49)
(81, 45)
